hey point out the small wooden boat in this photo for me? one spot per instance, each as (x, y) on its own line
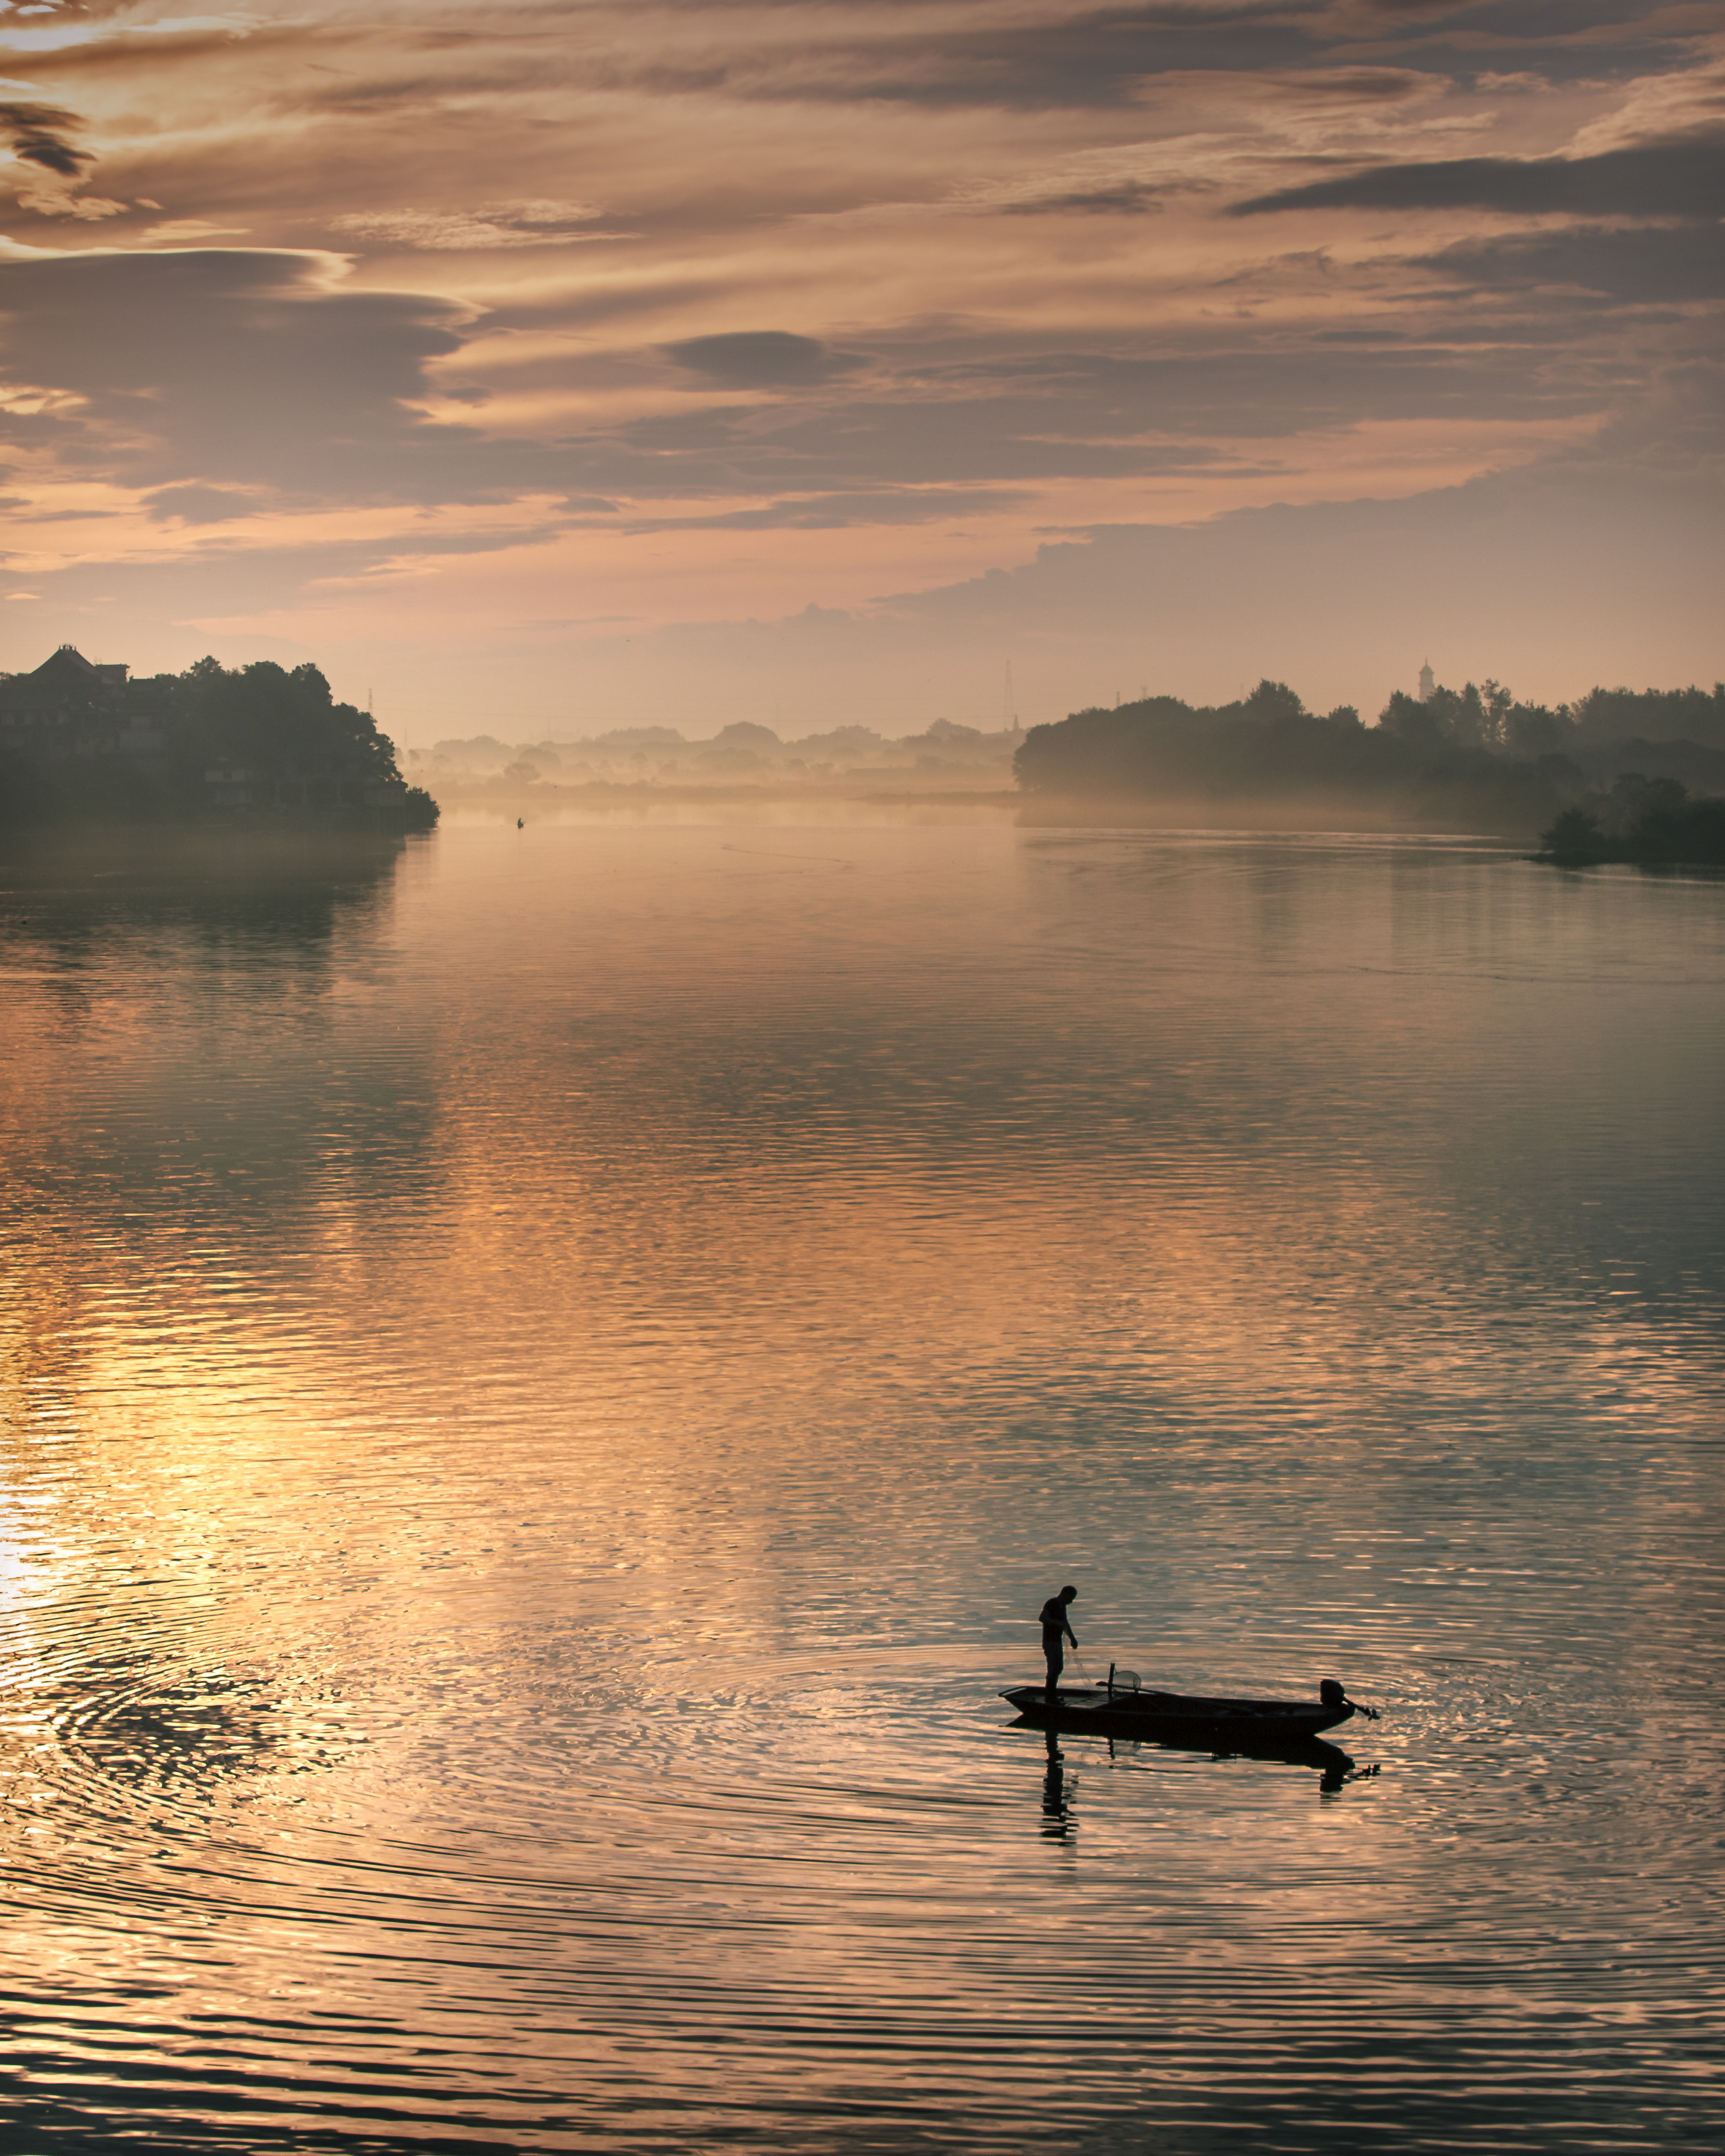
(1123, 1708)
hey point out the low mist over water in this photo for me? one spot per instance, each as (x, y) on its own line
(544, 1381)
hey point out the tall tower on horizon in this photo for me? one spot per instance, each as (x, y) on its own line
(1428, 682)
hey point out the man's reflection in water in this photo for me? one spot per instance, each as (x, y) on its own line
(1056, 1799)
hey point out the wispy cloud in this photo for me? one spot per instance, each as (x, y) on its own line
(1123, 199)
(762, 359)
(38, 135)
(502, 224)
(1681, 178)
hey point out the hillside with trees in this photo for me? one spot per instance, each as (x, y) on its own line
(83, 745)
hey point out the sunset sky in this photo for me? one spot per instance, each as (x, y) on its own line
(551, 367)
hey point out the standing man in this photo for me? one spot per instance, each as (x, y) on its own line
(1055, 1632)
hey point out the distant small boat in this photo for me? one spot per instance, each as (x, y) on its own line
(1123, 1708)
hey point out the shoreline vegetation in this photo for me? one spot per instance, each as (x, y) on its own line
(1607, 779)
(264, 761)
(1649, 821)
(1473, 762)
(211, 754)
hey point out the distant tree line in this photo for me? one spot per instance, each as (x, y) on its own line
(213, 743)
(1474, 758)
(1489, 717)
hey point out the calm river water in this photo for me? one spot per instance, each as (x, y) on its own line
(543, 1390)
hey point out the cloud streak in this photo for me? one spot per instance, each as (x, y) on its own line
(37, 135)
(1683, 179)
(761, 359)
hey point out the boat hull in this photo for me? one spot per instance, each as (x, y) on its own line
(1232, 1724)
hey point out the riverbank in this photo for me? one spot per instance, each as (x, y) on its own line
(1650, 823)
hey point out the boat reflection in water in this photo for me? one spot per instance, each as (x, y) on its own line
(1335, 1766)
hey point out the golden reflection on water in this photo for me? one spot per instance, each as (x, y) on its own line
(542, 1394)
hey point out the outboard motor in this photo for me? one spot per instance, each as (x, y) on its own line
(1332, 1696)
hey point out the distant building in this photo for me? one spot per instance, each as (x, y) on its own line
(1428, 682)
(70, 707)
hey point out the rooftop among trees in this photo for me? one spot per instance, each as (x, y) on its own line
(84, 743)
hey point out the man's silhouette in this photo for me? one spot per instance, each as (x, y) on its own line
(1055, 1632)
